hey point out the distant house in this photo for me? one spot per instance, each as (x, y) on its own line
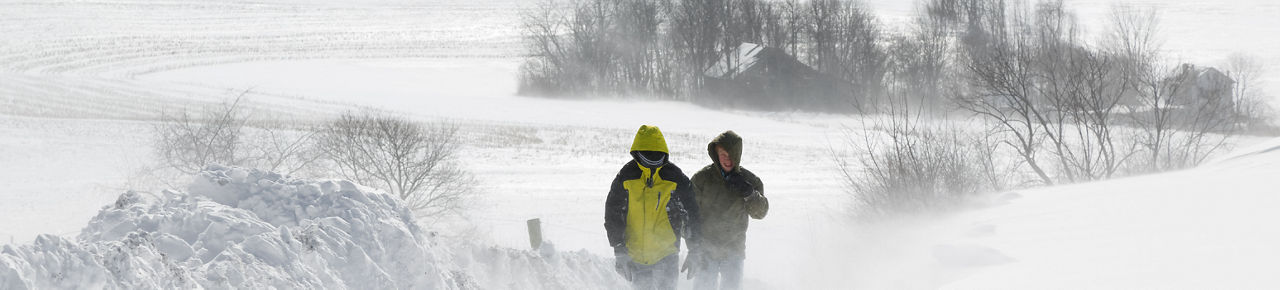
(757, 76)
(1192, 85)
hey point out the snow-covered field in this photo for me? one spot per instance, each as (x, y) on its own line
(81, 82)
(1212, 227)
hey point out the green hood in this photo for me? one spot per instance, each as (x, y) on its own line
(732, 143)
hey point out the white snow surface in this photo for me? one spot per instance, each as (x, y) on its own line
(234, 228)
(1212, 227)
(247, 229)
(80, 82)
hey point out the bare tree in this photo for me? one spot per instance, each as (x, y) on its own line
(1132, 36)
(548, 60)
(844, 40)
(1054, 93)
(570, 49)
(1081, 87)
(1003, 72)
(611, 47)
(781, 22)
(189, 143)
(1177, 128)
(415, 162)
(742, 24)
(820, 33)
(920, 60)
(633, 35)
(1249, 99)
(861, 59)
(695, 37)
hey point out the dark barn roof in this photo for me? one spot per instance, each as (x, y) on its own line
(762, 77)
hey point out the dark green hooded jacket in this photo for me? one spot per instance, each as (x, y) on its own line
(723, 212)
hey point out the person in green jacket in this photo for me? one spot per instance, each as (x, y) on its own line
(726, 194)
(650, 206)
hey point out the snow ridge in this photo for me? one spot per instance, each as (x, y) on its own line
(238, 228)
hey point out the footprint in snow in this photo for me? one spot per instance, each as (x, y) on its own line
(981, 231)
(969, 256)
(1004, 198)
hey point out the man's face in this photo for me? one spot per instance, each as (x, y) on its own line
(725, 162)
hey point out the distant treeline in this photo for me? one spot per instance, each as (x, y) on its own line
(660, 48)
(954, 55)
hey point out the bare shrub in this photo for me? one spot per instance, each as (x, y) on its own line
(188, 143)
(281, 147)
(227, 135)
(906, 168)
(414, 162)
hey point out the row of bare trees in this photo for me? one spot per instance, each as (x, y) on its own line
(1079, 110)
(661, 48)
(595, 47)
(414, 161)
(1062, 106)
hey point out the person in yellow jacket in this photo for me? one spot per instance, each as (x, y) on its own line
(650, 207)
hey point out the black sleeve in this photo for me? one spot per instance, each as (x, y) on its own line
(693, 220)
(757, 204)
(615, 213)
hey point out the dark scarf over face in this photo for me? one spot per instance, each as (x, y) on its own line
(651, 159)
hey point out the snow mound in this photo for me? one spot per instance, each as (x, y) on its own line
(488, 267)
(237, 228)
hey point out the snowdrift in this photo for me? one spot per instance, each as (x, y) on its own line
(1208, 227)
(238, 228)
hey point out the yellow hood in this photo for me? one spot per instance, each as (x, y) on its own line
(649, 138)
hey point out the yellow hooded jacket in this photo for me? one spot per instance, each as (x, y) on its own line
(648, 207)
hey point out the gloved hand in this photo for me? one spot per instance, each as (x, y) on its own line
(622, 263)
(739, 184)
(693, 263)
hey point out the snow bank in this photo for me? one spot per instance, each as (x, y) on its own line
(1208, 227)
(237, 228)
(489, 267)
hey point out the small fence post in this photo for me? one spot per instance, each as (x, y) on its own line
(535, 233)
